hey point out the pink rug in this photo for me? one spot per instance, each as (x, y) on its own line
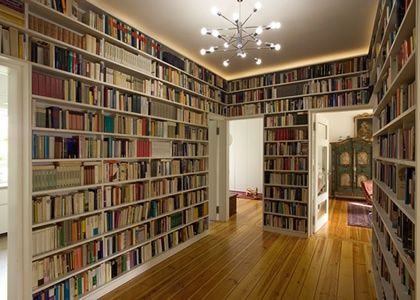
(358, 214)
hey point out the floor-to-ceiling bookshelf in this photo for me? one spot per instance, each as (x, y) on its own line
(396, 119)
(285, 100)
(119, 146)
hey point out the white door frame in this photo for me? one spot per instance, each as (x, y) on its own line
(19, 184)
(219, 169)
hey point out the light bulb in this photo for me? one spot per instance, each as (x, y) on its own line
(215, 11)
(239, 46)
(243, 54)
(258, 5)
(203, 51)
(277, 47)
(258, 61)
(211, 49)
(215, 33)
(278, 25)
(259, 30)
(259, 42)
(203, 31)
(226, 63)
(235, 17)
(226, 45)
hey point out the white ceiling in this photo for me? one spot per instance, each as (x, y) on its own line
(312, 30)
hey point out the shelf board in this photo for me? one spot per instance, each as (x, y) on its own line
(72, 23)
(406, 73)
(285, 200)
(54, 71)
(112, 256)
(286, 215)
(68, 103)
(286, 185)
(299, 96)
(406, 209)
(410, 265)
(109, 233)
(287, 126)
(408, 115)
(286, 171)
(344, 75)
(380, 284)
(407, 23)
(286, 141)
(393, 270)
(403, 162)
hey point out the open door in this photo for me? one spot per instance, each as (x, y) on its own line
(321, 170)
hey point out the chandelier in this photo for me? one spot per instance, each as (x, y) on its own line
(238, 39)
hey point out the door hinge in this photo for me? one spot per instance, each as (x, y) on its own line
(217, 209)
(217, 131)
(313, 220)
(314, 126)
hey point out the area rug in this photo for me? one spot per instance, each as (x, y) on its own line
(358, 214)
(243, 195)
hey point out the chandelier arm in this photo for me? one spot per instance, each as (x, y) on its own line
(250, 15)
(227, 19)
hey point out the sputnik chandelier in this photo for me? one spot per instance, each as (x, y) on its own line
(239, 39)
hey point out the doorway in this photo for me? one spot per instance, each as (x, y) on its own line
(15, 187)
(341, 155)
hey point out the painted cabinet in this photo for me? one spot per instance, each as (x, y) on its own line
(351, 163)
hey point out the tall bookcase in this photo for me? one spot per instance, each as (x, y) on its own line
(395, 73)
(119, 146)
(285, 100)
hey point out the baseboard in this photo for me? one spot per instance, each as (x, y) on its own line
(117, 282)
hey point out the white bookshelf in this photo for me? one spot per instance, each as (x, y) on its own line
(395, 217)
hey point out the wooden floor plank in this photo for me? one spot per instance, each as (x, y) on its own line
(237, 260)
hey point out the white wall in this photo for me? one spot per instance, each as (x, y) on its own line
(3, 210)
(246, 154)
(342, 123)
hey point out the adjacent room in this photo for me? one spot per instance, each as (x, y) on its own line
(220, 149)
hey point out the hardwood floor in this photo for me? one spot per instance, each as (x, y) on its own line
(237, 260)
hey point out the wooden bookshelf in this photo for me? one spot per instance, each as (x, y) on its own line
(394, 70)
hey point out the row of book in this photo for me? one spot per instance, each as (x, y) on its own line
(73, 62)
(65, 174)
(115, 195)
(58, 118)
(173, 185)
(123, 171)
(286, 193)
(177, 166)
(286, 163)
(336, 84)
(405, 234)
(311, 72)
(313, 102)
(51, 207)
(80, 284)
(123, 101)
(401, 101)
(284, 134)
(66, 233)
(168, 129)
(272, 178)
(176, 77)
(199, 72)
(118, 148)
(287, 223)
(311, 87)
(387, 174)
(13, 11)
(286, 149)
(283, 208)
(40, 51)
(408, 284)
(127, 58)
(399, 144)
(290, 119)
(12, 42)
(61, 147)
(396, 63)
